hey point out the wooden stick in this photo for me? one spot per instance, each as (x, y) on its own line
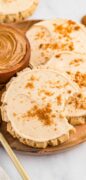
(13, 157)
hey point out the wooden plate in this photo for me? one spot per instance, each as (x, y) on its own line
(75, 139)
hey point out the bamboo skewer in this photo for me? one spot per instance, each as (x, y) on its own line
(13, 157)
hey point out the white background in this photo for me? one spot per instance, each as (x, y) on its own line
(70, 165)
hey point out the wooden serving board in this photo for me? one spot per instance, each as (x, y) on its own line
(75, 139)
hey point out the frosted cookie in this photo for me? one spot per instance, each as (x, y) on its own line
(74, 66)
(39, 35)
(75, 109)
(16, 10)
(33, 107)
(67, 36)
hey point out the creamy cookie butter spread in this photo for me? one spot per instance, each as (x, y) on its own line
(14, 52)
(12, 48)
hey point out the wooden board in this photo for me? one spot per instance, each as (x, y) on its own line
(75, 139)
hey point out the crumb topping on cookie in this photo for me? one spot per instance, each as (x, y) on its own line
(43, 114)
(80, 79)
(78, 101)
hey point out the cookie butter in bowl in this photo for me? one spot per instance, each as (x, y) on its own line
(14, 52)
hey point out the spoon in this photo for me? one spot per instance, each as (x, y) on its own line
(13, 157)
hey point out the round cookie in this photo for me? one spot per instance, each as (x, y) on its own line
(39, 35)
(33, 107)
(16, 10)
(66, 36)
(74, 66)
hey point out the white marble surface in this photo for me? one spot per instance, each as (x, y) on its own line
(70, 165)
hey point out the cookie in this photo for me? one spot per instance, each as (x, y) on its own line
(16, 10)
(33, 107)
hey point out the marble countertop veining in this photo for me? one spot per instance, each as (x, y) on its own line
(69, 165)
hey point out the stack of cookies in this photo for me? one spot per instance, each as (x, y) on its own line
(43, 105)
(65, 44)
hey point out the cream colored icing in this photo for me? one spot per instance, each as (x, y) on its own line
(37, 36)
(70, 63)
(60, 35)
(67, 34)
(15, 6)
(21, 97)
